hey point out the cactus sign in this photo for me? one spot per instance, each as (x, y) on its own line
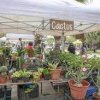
(61, 25)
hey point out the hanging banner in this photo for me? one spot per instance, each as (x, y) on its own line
(61, 25)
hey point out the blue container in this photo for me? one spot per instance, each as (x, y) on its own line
(90, 91)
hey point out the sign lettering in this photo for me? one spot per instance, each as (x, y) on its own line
(61, 25)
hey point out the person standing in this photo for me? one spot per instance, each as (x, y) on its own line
(94, 48)
(83, 49)
(14, 49)
(29, 49)
(71, 48)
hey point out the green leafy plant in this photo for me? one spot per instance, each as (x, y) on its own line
(84, 1)
(53, 65)
(76, 68)
(95, 63)
(46, 71)
(36, 76)
(20, 62)
(40, 70)
(46, 74)
(37, 50)
(64, 57)
(3, 69)
(53, 56)
(29, 88)
(22, 73)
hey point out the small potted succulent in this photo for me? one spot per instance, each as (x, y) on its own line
(36, 76)
(55, 71)
(26, 75)
(15, 76)
(21, 75)
(3, 74)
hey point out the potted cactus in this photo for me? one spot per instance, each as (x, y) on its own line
(55, 71)
(3, 74)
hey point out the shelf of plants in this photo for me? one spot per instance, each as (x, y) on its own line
(57, 66)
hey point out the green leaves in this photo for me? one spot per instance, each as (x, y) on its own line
(94, 62)
(73, 61)
(53, 56)
(46, 71)
(84, 1)
(22, 73)
(3, 69)
(93, 38)
(74, 67)
(53, 65)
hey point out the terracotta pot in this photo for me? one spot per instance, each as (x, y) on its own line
(55, 74)
(96, 97)
(78, 93)
(8, 77)
(3, 79)
(62, 73)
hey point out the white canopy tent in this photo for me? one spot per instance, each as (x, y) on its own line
(14, 36)
(27, 16)
(3, 39)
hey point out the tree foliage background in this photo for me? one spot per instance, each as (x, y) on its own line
(93, 38)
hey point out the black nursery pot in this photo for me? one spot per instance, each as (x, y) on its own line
(15, 79)
(1, 93)
(26, 79)
(47, 77)
(35, 92)
(20, 79)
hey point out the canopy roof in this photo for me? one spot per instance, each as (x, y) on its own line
(27, 16)
(14, 36)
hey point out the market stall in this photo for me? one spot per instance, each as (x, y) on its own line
(29, 67)
(27, 17)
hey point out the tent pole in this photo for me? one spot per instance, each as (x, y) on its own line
(62, 44)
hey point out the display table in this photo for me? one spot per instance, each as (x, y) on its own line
(41, 82)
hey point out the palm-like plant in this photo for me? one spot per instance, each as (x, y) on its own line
(93, 38)
(84, 1)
